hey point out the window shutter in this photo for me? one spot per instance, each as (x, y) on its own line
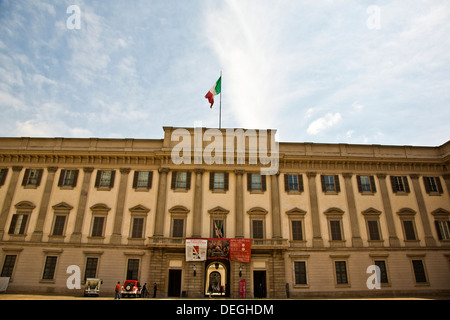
(263, 183)
(249, 181)
(113, 175)
(135, 179)
(336, 183)
(61, 177)
(3, 176)
(322, 181)
(439, 185)
(372, 184)
(436, 223)
(406, 184)
(12, 226)
(97, 178)
(39, 177)
(286, 182)
(24, 224)
(358, 181)
(174, 180)
(150, 179)
(394, 188)
(188, 180)
(300, 183)
(25, 177)
(75, 178)
(211, 181)
(225, 181)
(426, 182)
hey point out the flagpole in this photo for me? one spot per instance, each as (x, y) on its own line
(220, 102)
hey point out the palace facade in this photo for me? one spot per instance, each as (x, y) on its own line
(335, 220)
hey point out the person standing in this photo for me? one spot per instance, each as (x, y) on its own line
(154, 290)
(117, 296)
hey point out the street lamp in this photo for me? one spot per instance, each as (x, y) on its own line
(195, 270)
(240, 271)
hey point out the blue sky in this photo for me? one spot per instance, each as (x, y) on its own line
(364, 72)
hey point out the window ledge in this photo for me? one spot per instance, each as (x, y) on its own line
(219, 191)
(103, 189)
(141, 189)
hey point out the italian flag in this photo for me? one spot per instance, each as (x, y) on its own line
(215, 90)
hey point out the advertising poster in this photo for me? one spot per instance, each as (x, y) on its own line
(196, 249)
(240, 250)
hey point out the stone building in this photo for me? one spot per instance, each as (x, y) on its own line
(331, 217)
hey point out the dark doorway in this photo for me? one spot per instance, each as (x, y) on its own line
(259, 284)
(174, 283)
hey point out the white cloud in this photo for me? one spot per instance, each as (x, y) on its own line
(324, 123)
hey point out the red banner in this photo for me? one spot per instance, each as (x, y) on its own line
(242, 288)
(240, 250)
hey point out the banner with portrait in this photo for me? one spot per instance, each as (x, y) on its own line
(218, 248)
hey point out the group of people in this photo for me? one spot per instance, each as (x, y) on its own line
(144, 291)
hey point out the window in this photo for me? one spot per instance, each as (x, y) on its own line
(374, 233)
(105, 179)
(293, 182)
(408, 228)
(181, 180)
(341, 272)
(336, 233)
(383, 271)
(178, 228)
(330, 183)
(32, 177)
(300, 272)
(372, 217)
(433, 185)
(133, 269)
(137, 228)
(297, 231)
(400, 184)
(419, 271)
(366, 184)
(142, 179)
(443, 229)
(49, 268)
(335, 230)
(91, 268)
(59, 224)
(97, 226)
(8, 266)
(256, 182)
(68, 178)
(218, 228)
(18, 224)
(3, 174)
(257, 229)
(218, 181)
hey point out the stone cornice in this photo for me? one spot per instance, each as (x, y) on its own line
(306, 157)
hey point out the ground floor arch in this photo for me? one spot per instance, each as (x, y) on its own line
(217, 278)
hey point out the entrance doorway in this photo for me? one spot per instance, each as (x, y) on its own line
(217, 277)
(174, 283)
(259, 284)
